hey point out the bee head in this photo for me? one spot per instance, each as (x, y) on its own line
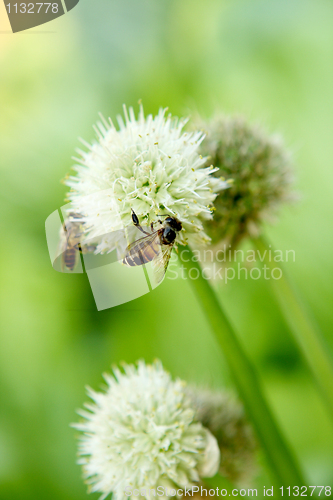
(173, 223)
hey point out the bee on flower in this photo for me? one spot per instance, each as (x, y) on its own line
(148, 166)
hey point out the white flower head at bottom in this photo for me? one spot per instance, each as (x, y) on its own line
(141, 433)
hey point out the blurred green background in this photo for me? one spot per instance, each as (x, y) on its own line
(272, 61)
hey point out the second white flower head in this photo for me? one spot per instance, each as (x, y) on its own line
(149, 165)
(141, 433)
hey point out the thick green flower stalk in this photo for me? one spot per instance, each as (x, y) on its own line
(283, 467)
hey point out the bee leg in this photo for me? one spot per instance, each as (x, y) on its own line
(152, 224)
(137, 223)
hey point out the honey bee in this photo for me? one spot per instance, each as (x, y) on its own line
(70, 241)
(155, 246)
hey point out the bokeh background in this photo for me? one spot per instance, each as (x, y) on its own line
(270, 60)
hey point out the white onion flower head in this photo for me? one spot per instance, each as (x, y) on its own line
(141, 433)
(150, 165)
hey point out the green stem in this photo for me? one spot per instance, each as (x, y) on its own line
(284, 470)
(305, 331)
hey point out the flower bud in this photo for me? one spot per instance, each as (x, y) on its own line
(258, 167)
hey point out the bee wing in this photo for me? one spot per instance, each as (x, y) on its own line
(68, 251)
(144, 241)
(73, 232)
(62, 245)
(160, 263)
(143, 250)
